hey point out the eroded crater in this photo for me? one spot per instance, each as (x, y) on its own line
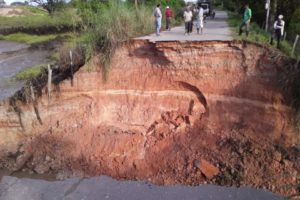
(170, 112)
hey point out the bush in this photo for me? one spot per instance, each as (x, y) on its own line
(110, 24)
(30, 72)
(257, 34)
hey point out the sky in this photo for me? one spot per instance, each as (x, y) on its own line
(10, 1)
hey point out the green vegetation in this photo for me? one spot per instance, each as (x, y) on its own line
(113, 24)
(30, 72)
(108, 24)
(50, 5)
(290, 9)
(258, 34)
(35, 39)
(28, 39)
(30, 10)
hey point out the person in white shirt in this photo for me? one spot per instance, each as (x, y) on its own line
(158, 17)
(279, 29)
(200, 20)
(188, 15)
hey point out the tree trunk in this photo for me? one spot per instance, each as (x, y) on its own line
(273, 13)
(136, 4)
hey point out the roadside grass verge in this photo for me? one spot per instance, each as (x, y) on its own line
(112, 25)
(30, 72)
(28, 39)
(257, 34)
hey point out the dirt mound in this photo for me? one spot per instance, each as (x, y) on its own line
(187, 113)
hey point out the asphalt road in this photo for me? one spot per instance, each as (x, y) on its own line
(214, 29)
(101, 188)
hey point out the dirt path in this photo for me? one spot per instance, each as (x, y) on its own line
(11, 12)
(214, 29)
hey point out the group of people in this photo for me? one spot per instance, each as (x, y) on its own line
(158, 18)
(188, 19)
(278, 25)
(198, 14)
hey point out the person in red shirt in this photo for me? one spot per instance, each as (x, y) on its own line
(169, 15)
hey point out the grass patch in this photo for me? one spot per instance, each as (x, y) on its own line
(30, 72)
(31, 10)
(113, 24)
(27, 38)
(34, 39)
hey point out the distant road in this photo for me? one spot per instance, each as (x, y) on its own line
(214, 29)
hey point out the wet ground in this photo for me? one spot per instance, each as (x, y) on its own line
(15, 57)
(107, 188)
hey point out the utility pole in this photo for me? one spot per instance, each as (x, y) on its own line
(268, 6)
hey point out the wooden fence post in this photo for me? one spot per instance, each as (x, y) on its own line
(32, 93)
(72, 71)
(49, 82)
(284, 36)
(34, 103)
(295, 45)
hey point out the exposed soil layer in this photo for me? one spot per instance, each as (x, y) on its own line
(170, 112)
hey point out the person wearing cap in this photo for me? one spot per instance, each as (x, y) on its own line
(169, 15)
(246, 20)
(200, 20)
(279, 29)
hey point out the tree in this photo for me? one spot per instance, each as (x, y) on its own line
(136, 4)
(294, 26)
(50, 5)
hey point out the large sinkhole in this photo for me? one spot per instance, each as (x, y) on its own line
(167, 112)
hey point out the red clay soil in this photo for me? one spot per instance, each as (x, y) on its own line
(170, 113)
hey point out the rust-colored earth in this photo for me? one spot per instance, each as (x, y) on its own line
(170, 112)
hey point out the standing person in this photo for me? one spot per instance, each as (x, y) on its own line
(246, 20)
(200, 20)
(279, 29)
(169, 15)
(158, 17)
(188, 15)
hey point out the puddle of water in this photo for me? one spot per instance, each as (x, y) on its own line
(8, 46)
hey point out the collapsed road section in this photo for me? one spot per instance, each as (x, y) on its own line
(170, 113)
